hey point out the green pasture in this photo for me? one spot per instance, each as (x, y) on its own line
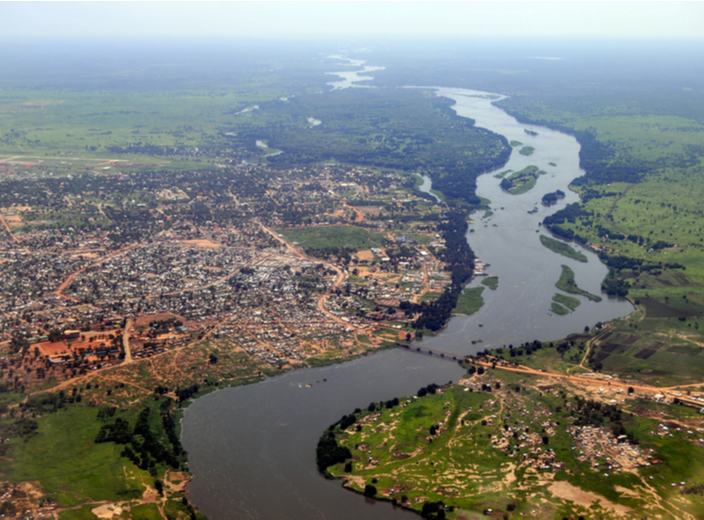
(659, 351)
(324, 237)
(396, 450)
(70, 466)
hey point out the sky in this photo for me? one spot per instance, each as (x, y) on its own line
(327, 19)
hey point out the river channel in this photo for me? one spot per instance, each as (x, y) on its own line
(252, 448)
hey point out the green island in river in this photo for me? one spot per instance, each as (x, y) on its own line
(521, 181)
(566, 283)
(562, 248)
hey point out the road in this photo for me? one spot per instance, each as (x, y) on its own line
(359, 216)
(9, 232)
(126, 340)
(67, 282)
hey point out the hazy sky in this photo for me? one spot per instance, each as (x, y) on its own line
(269, 19)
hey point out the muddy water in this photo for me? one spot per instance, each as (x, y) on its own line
(252, 449)
(509, 241)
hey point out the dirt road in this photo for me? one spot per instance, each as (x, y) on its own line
(126, 341)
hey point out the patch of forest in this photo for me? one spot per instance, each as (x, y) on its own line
(409, 130)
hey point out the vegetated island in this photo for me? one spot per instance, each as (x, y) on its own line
(521, 181)
(502, 174)
(563, 304)
(492, 282)
(558, 309)
(515, 143)
(530, 132)
(469, 302)
(551, 198)
(562, 249)
(526, 150)
(566, 283)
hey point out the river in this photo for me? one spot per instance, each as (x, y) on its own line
(252, 448)
(351, 78)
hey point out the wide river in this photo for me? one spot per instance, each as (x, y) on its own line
(252, 449)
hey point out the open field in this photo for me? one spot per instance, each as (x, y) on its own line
(510, 443)
(323, 237)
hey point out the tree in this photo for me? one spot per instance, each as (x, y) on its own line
(159, 486)
(369, 490)
(433, 511)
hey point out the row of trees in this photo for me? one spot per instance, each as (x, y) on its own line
(142, 446)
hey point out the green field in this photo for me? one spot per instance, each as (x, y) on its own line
(63, 456)
(492, 282)
(333, 237)
(659, 351)
(470, 301)
(562, 248)
(566, 283)
(468, 446)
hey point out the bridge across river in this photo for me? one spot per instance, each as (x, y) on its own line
(430, 351)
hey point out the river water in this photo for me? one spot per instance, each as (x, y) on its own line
(252, 448)
(351, 78)
(509, 242)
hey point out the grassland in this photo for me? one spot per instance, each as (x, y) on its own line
(63, 456)
(566, 283)
(562, 249)
(326, 237)
(492, 282)
(72, 131)
(504, 443)
(470, 301)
